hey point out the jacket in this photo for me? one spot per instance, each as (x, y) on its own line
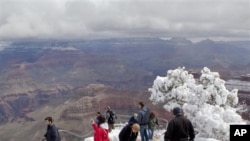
(110, 116)
(179, 129)
(132, 120)
(152, 123)
(143, 116)
(100, 134)
(126, 134)
(52, 133)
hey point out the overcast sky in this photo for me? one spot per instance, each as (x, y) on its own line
(73, 19)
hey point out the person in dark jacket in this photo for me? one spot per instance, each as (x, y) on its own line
(129, 132)
(52, 133)
(179, 128)
(111, 117)
(143, 119)
(133, 119)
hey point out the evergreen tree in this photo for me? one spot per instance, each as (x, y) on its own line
(206, 102)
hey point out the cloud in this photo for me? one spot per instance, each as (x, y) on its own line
(4, 45)
(70, 19)
(61, 48)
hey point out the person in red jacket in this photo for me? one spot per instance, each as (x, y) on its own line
(100, 132)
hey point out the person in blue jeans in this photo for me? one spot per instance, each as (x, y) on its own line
(153, 122)
(143, 119)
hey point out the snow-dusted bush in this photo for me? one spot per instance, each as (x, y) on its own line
(207, 103)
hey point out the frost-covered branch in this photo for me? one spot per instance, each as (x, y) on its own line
(209, 105)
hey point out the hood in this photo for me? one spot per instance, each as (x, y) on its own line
(104, 125)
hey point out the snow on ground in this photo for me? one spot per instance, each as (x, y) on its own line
(241, 85)
(114, 135)
(158, 136)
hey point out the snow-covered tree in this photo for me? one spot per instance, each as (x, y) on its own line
(206, 102)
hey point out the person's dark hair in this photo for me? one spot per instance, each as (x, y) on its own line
(49, 119)
(152, 115)
(141, 103)
(99, 113)
(177, 111)
(101, 120)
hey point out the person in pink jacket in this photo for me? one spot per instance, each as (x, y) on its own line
(100, 131)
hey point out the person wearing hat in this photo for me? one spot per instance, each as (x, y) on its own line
(179, 128)
(129, 132)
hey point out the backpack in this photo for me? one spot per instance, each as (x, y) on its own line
(111, 118)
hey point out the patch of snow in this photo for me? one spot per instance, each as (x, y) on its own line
(4, 45)
(61, 48)
(158, 136)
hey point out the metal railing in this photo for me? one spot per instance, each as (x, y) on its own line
(163, 124)
(77, 135)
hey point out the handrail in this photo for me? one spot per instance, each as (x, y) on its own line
(117, 125)
(77, 135)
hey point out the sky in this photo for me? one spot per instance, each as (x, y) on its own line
(89, 19)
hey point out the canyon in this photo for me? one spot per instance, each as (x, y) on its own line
(72, 80)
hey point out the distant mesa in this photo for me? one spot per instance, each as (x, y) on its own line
(181, 41)
(245, 77)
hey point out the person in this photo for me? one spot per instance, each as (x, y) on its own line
(143, 118)
(133, 119)
(179, 128)
(98, 114)
(110, 116)
(129, 132)
(153, 122)
(100, 129)
(52, 133)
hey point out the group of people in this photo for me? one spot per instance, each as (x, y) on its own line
(143, 123)
(101, 127)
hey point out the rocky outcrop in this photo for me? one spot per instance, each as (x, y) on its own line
(5, 111)
(96, 97)
(17, 105)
